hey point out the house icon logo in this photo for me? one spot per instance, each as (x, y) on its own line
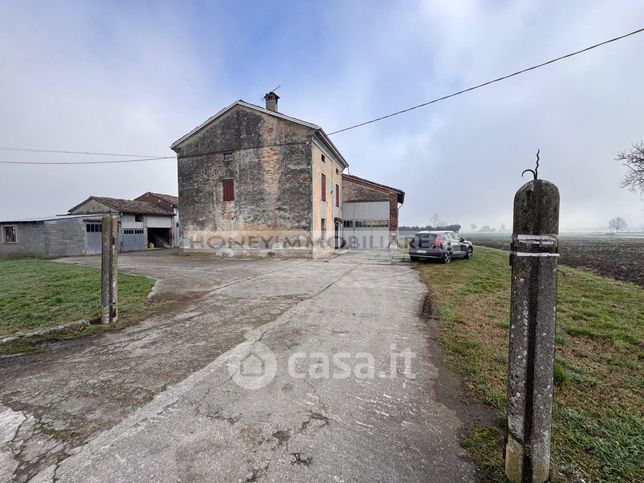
(252, 365)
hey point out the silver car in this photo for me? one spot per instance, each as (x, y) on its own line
(439, 245)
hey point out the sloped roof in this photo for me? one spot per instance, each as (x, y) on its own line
(382, 187)
(315, 127)
(127, 206)
(173, 200)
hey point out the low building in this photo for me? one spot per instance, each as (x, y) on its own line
(253, 181)
(370, 212)
(167, 202)
(141, 223)
(50, 237)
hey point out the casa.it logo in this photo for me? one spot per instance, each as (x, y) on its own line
(252, 365)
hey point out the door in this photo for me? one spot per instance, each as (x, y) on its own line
(93, 238)
(132, 239)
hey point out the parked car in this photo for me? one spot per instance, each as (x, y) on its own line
(439, 245)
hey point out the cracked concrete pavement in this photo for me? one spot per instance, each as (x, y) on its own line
(157, 401)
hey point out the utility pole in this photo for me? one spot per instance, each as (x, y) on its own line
(533, 257)
(109, 268)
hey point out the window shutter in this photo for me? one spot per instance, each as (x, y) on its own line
(229, 190)
(323, 187)
(337, 195)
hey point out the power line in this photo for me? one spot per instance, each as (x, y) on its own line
(91, 153)
(112, 161)
(433, 101)
(155, 158)
(498, 79)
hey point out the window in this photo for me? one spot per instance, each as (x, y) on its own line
(323, 158)
(348, 223)
(337, 195)
(9, 234)
(323, 187)
(229, 190)
(138, 218)
(93, 227)
(133, 231)
(323, 227)
(228, 157)
(337, 171)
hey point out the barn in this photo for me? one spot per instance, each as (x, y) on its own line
(370, 213)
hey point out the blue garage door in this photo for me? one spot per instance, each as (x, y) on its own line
(132, 239)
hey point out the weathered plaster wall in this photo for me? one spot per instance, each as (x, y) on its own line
(64, 238)
(325, 209)
(48, 239)
(270, 162)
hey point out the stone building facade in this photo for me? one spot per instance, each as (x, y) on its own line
(253, 181)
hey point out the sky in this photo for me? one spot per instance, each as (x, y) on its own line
(132, 77)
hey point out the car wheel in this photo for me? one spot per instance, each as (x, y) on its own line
(468, 255)
(447, 258)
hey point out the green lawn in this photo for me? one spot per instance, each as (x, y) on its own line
(598, 432)
(37, 294)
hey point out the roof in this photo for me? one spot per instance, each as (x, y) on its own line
(45, 218)
(173, 200)
(128, 206)
(248, 105)
(382, 187)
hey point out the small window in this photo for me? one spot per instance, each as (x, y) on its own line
(93, 227)
(323, 187)
(138, 218)
(9, 234)
(337, 196)
(229, 190)
(228, 157)
(323, 227)
(323, 158)
(348, 223)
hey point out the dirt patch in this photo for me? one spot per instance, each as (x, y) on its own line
(620, 258)
(448, 388)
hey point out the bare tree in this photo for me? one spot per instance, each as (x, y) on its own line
(473, 227)
(633, 159)
(436, 220)
(617, 224)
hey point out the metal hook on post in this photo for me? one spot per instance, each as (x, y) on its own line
(535, 171)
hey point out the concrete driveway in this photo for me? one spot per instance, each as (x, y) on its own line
(178, 397)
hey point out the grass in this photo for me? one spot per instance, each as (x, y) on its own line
(37, 294)
(598, 426)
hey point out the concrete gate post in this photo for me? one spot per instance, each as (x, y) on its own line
(109, 268)
(533, 257)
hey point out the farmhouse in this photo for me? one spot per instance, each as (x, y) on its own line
(255, 181)
(141, 223)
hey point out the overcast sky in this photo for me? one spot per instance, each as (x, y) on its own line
(132, 77)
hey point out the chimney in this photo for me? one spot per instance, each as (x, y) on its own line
(271, 101)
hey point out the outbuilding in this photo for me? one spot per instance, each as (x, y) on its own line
(141, 223)
(370, 212)
(50, 237)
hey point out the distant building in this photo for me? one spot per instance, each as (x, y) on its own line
(151, 219)
(141, 223)
(50, 237)
(253, 181)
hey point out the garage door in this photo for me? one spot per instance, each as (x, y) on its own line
(132, 239)
(366, 225)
